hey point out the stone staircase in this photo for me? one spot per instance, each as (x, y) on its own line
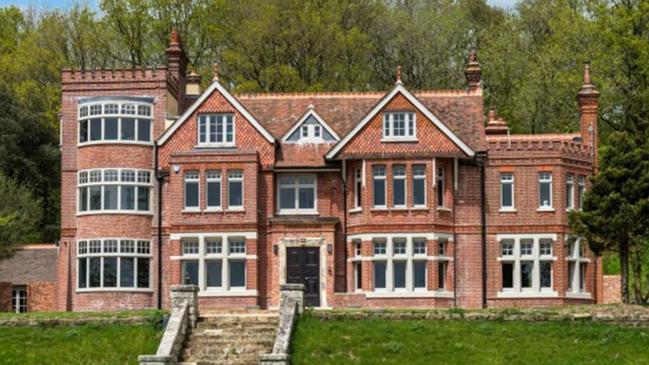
(232, 338)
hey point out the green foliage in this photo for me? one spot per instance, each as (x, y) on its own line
(19, 216)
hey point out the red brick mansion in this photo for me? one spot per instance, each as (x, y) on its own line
(400, 198)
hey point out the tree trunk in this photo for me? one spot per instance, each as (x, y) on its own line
(624, 270)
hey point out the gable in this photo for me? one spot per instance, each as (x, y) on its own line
(432, 136)
(309, 121)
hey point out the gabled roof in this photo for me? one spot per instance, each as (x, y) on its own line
(215, 86)
(30, 263)
(400, 89)
(310, 112)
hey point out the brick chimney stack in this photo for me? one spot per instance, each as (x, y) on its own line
(193, 88)
(588, 99)
(472, 72)
(177, 62)
(495, 125)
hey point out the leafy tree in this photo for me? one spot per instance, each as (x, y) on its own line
(19, 216)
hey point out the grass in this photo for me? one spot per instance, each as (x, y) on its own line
(87, 344)
(375, 341)
(81, 315)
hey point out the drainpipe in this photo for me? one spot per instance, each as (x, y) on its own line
(483, 226)
(160, 176)
(344, 222)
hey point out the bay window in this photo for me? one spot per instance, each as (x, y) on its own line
(526, 265)
(216, 130)
(399, 186)
(297, 194)
(110, 120)
(114, 190)
(116, 264)
(399, 126)
(378, 187)
(577, 266)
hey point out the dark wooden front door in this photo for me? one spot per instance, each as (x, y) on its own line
(303, 267)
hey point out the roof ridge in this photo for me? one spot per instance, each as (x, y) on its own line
(350, 94)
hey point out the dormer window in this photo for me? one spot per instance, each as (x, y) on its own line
(399, 126)
(311, 128)
(216, 130)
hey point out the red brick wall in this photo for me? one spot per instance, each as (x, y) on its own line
(41, 296)
(5, 296)
(612, 289)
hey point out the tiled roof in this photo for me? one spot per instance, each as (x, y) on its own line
(302, 154)
(32, 263)
(277, 112)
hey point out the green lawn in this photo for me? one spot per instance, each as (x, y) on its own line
(87, 344)
(376, 341)
(81, 315)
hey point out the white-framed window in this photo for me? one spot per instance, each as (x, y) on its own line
(114, 264)
(581, 190)
(419, 185)
(399, 126)
(192, 190)
(399, 186)
(297, 194)
(570, 189)
(358, 189)
(379, 188)
(545, 190)
(441, 187)
(400, 264)
(216, 130)
(19, 299)
(311, 132)
(577, 265)
(527, 265)
(115, 121)
(114, 191)
(213, 190)
(235, 189)
(215, 263)
(507, 191)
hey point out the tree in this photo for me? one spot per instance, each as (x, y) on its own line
(19, 216)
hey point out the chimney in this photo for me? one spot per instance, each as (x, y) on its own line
(177, 61)
(472, 72)
(193, 88)
(495, 125)
(588, 99)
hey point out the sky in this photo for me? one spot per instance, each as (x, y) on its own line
(64, 4)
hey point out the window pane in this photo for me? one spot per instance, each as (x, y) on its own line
(213, 194)
(583, 267)
(95, 129)
(237, 274)
(399, 192)
(379, 192)
(287, 198)
(110, 197)
(190, 272)
(307, 198)
(202, 129)
(235, 191)
(399, 274)
(82, 269)
(418, 192)
(95, 197)
(83, 131)
(143, 130)
(110, 272)
(95, 272)
(111, 128)
(508, 275)
(507, 196)
(214, 272)
(83, 199)
(546, 274)
(379, 275)
(419, 278)
(128, 129)
(128, 198)
(191, 194)
(127, 269)
(143, 272)
(526, 274)
(229, 133)
(142, 198)
(441, 275)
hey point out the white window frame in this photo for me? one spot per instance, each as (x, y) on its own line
(206, 119)
(390, 255)
(517, 257)
(545, 177)
(410, 127)
(576, 257)
(194, 177)
(358, 189)
(507, 178)
(140, 249)
(440, 177)
(19, 299)
(375, 169)
(139, 112)
(419, 177)
(296, 185)
(581, 190)
(570, 191)
(142, 179)
(236, 176)
(403, 177)
(213, 176)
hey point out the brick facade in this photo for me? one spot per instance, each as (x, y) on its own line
(240, 255)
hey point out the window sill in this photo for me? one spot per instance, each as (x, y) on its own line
(213, 210)
(216, 145)
(399, 139)
(507, 210)
(235, 210)
(526, 294)
(583, 295)
(419, 209)
(298, 212)
(215, 293)
(355, 210)
(399, 209)
(545, 210)
(113, 142)
(379, 209)
(113, 212)
(107, 290)
(444, 209)
(407, 294)
(191, 211)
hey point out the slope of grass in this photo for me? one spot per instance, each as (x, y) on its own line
(375, 341)
(81, 315)
(87, 344)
